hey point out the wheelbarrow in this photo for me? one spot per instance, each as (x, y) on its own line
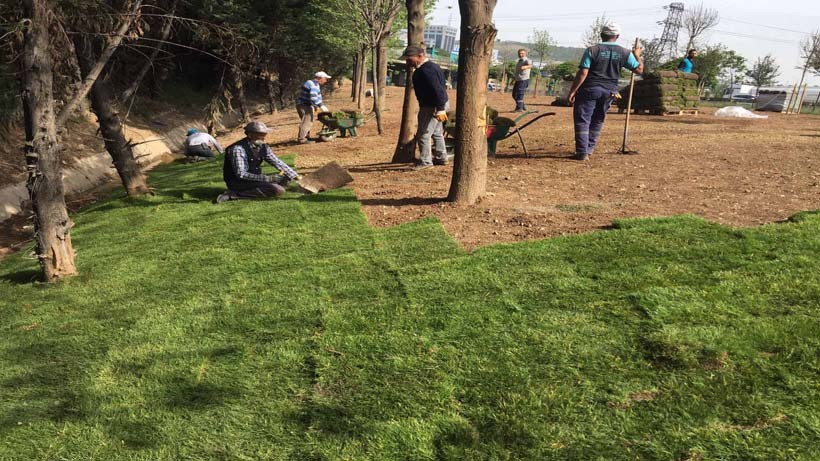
(344, 121)
(500, 128)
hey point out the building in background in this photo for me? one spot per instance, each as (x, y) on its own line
(441, 37)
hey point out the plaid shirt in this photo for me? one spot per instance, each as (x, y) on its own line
(240, 165)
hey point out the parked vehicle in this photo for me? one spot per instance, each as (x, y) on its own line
(739, 89)
(743, 98)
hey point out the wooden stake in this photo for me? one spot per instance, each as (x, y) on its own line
(788, 106)
(802, 97)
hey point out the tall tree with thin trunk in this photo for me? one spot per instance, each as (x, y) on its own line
(238, 91)
(697, 21)
(52, 225)
(377, 18)
(541, 44)
(809, 51)
(812, 59)
(111, 45)
(406, 145)
(477, 37)
(165, 32)
(360, 76)
(764, 71)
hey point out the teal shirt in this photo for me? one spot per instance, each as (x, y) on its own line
(631, 62)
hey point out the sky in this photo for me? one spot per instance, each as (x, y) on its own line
(753, 28)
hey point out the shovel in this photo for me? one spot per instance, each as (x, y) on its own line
(624, 149)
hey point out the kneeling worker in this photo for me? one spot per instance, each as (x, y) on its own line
(242, 170)
(198, 144)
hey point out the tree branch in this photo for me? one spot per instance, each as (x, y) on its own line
(91, 77)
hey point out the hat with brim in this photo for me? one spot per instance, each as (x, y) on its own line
(256, 127)
(322, 75)
(411, 51)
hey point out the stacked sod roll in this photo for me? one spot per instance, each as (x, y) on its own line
(663, 92)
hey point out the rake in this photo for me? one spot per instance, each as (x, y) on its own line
(624, 149)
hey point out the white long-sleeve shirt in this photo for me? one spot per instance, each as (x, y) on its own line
(198, 139)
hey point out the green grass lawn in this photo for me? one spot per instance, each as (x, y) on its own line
(290, 329)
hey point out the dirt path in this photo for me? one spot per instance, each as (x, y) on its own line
(736, 172)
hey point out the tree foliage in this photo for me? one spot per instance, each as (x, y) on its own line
(593, 34)
(810, 52)
(764, 71)
(717, 62)
(542, 44)
(564, 70)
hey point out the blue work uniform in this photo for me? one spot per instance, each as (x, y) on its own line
(686, 65)
(593, 99)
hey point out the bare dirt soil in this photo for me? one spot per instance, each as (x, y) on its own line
(735, 172)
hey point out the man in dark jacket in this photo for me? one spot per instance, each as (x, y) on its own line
(431, 92)
(595, 85)
(242, 169)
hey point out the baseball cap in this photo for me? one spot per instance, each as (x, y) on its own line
(321, 74)
(412, 50)
(256, 127)
(611, 29)
(192, 131)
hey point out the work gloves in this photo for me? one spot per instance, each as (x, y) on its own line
(324, 108)
(441, 116)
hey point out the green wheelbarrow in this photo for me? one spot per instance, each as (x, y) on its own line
(499, 129)
(344, 121)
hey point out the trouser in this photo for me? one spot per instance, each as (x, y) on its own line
(306, 114)
(250, 189)
(429, 128)
(201, 150)
(588, 113)
(519, 89)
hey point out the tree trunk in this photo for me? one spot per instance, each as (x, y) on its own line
(477, 37)
(354, 81)
(380, 59)
(115, 143)
(535, 89)
(377, 110)
(281, 92)
(52, 226)
(238, 92)
(163, 37)
(102, 103)
(271, 79)
(406, 146)
(362, 77)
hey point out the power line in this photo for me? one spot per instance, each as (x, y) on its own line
(756, 37)
(629, 11)
(723, 18)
